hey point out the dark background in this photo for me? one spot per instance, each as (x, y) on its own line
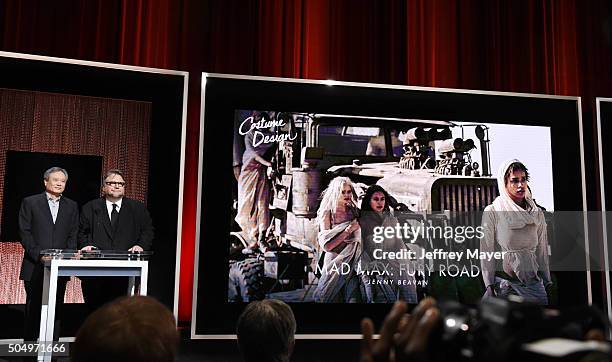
(84, 174)
(605, 108)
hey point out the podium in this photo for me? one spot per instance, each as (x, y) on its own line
(104, 266)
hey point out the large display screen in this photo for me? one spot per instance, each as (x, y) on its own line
(342, 198)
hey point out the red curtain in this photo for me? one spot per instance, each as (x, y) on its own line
(561, 47)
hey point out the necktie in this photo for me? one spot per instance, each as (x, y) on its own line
(114, 216)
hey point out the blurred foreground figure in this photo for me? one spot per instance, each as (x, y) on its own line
(266, 331)
(403, 337)
(129, 329)
(498, 329)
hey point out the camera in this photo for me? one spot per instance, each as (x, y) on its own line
(511, 329)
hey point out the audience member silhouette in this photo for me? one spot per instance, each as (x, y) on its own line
(128, 329)
(266, 331)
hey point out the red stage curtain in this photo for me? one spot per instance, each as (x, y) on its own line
(544, 46)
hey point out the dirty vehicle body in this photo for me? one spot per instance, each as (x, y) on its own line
(397, 154)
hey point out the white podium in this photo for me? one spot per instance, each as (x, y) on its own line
(85, 268)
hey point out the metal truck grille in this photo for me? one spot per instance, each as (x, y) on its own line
(465, 198)
(462, 205)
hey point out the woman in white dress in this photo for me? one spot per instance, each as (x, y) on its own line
(340, 237)
(515, 225)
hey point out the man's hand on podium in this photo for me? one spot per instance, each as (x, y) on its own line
(86, 249)
(45, 258)
(135, 249)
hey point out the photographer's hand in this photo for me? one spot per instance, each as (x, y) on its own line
(380, 350)
(402, 337)
(413, 333)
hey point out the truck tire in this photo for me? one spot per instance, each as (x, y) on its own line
(246, 281)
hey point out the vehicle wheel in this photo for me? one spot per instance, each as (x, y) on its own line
(246, 281)
(238, 241)
(233, 294)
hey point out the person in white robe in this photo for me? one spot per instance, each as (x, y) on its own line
(515, 225)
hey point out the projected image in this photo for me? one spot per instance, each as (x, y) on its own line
(346, 209)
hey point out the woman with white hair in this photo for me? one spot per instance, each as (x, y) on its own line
(340, 237)
(515, 225)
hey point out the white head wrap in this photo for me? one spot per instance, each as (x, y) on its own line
(517, 217)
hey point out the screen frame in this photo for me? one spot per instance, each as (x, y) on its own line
(602, 194)
(182, 78)
(372, 87)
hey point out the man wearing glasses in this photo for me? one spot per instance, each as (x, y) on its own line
(113, 222)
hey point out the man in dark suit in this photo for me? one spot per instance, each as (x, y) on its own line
(113, 222)
(46, 221)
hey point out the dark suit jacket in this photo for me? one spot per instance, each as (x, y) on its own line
(134, 226)
(38, 232)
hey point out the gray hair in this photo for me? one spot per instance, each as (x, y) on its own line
(266, 331)
(52, 170)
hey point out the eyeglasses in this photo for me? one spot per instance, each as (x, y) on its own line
(115, 183)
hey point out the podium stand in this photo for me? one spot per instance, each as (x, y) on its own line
(55, 268)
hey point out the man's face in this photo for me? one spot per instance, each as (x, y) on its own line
(114, 186)
(56, 183)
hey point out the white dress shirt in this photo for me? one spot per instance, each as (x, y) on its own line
(53, 205)
(109, 207)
